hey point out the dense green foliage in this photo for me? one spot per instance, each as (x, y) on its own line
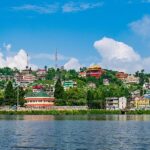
(62, 112)
(11, 94)
(59, 90)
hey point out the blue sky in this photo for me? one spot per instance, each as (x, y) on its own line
(73, 26)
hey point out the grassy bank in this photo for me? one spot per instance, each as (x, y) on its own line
(60, 112)
(73, 112)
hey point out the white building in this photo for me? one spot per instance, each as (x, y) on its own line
(122, 103)
(115, 103)
(131, 79)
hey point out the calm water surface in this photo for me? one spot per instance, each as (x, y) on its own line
(94, 132)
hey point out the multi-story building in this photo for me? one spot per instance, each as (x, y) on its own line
(69, 84)
(82, 74)
(25, 77)
(122, 76)
(41, 73)
(94, 71)
(142, 103)
(131, 79)
(115, 103)
(39, 100)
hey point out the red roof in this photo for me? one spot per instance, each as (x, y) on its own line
(37, 87)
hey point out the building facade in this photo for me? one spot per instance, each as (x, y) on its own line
(115, 103)
(94, 71)
(39, 100)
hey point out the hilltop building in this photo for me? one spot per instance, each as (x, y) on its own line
(94, 71)
(122, 76)
(131, 79)
(41, 74)
(82, 74)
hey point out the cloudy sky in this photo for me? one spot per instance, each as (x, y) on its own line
(112, 33)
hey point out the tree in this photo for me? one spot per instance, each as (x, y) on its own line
(18, 91)
(90, 98)
(59, 90)
(9, 94)
(1, 97)
(50, 74)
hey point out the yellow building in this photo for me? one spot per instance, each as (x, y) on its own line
(141, 103)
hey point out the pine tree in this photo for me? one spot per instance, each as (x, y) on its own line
(9, 94)
(59, 90)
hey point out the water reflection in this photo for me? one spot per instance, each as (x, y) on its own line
(76, 117)
(80, 132)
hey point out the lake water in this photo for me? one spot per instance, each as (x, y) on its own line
(94, 132)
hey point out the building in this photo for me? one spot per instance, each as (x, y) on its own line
(41, 74)
(94, 71)
(69, 84)
(131, 79)
(122, 103)
(122, 76)
(112, 103)
(24, 79)
(82, 74)
(106, 81)
(146, 86)
(91, 85)
(115, 103)
(6, 77)
(39, 100)
(37, 88)
(142, 103)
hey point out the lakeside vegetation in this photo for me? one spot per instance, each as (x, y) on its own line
(75, 112)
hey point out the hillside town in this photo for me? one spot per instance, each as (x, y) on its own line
(92, 87)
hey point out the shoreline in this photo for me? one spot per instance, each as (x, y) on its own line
(74, 112)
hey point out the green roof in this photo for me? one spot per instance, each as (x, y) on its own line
(37, 94)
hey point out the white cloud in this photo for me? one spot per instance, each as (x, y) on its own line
(7, 46)
(53, 8)
(141, 27)
(46, 9)
(120, 56)
(19, 60)
(74, 6)
(73, 63)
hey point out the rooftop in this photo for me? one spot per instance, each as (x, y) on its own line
(37, 94)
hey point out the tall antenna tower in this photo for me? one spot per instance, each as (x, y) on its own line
(56, 60)
(27, 61)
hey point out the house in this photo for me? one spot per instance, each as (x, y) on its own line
(41, 74)
(39, 100)
(131, 79)
(121, 75)
(106, 81)
(112, 103)
(91, 85)
(82, 74)
(69, 84)
(115, 103)
(122, 103)
(25, 77)
(141, 103)
(37, 88)
(146, 86)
